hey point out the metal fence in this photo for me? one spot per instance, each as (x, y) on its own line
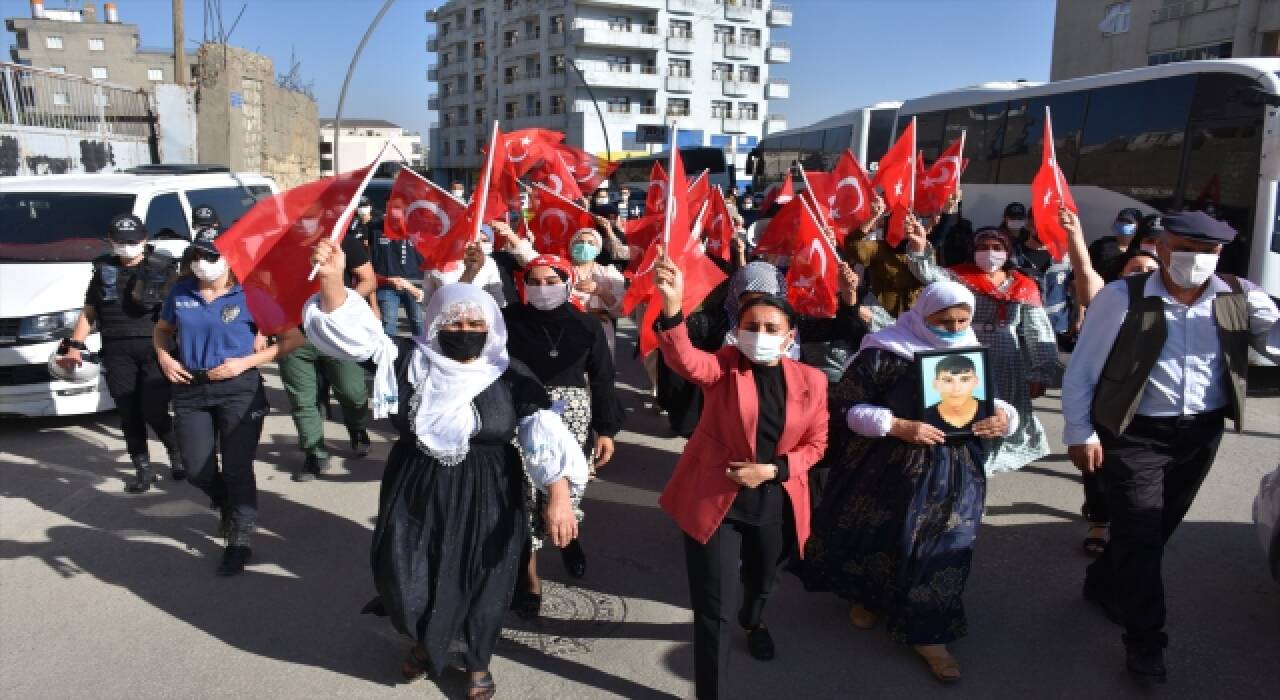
(41, 98)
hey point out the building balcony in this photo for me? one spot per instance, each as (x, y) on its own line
(451, 67)
(779, 16)
(433, 44)
(680, 44)
(558, 80)
(731, 125)
(631, 4)
(433, 102)
(737, 88)
(431, 15)
(777, 52)
(477, 30)
(644, 38)
(633, 77)
(479, 63)
(742, 10)
(457, 97)
(774, 123)
(682, 7)
(740, 51)
(777, 89)
(433, 74)
(556, 41)
(679, 83)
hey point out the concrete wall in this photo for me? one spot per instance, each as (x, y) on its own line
(248, 123)
(34, 150)
(177, 131)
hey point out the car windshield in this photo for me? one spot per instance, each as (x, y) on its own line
(57, 226)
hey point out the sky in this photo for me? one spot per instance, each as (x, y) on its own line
(844, 53)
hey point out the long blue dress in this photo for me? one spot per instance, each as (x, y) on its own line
(897, 524)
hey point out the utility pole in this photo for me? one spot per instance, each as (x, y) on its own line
(179, 51)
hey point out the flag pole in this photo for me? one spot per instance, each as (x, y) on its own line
(485, 180)
(669, 211)
(824, 224)
(1053, 152)
(825, 236)
(911, 201)
(350, 209)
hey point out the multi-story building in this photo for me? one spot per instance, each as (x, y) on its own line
(362, 139)
(598, 69)
(74, 41)
(1101, 36)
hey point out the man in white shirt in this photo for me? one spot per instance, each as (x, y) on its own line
(1161, 362)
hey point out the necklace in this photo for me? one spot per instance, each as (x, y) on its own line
(555, 345)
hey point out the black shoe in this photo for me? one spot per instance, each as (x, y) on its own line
(144, 476)
(575, 560)
(224, 521)
(1104, 599)
(177, 471)
(360, 442)
(234, 557)
(1146, 662)
(526, 605)
(760, 643)
(311, 468)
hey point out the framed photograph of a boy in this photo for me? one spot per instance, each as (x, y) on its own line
(955, 389)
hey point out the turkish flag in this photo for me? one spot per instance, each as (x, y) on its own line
(699, 193)
(850, 196)
(526, 148)
(719, 228)
(554, 174)
(778, 237)
(642, 231)
(896, 176)
(813, 278)
(504, 188)
(941, 180)
(778, 194)
(269, 248)
(1049, 193)
(419, 211)
(555, 220)
(588, 170)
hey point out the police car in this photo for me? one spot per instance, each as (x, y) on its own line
(52, 227)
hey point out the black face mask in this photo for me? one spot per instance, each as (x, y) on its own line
(461, 346)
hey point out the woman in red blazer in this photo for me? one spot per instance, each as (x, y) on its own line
(740, 489)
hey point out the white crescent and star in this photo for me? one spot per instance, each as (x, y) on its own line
(524, 146)
(559, 184)
(953, 162)
(851, 182)
(431, 207)
(557, 214)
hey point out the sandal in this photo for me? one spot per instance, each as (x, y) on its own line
(415, 667)
(862, 618)
(1093, 545)
(944, 666)
(482, 688)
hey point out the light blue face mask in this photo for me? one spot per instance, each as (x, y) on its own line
(583, 252)
(946, 335)
(1126, 229)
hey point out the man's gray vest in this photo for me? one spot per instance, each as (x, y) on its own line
(1141, 338)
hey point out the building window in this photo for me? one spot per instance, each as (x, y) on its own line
(509, 110)
(722, 35)
(751, 37)
(749, 74)
(557, 24)
(1199, 53)
(60, 99)
(532, 68)
(510, 38)
(678, 107)
(444, 146)
(721, 109)
(620, 23)
(58, 69)
(619, 105)
(1116, 20)
(53, 42)
(681, 29)
(508, 5)
(97, 45)
(447, 120)
(533, 30)
(477, 16)
(557, 64)
(648, 107)
(510, 74)
(748, 110)
(721, 71)
(619, 64)
(557, 104)
(481, 114)
(678, 68)
(479, 145)
(477, 83)
(460, 146)
(98, 72)
(155, 75)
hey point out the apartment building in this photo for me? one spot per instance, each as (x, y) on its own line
(362, 139)
(598, 69)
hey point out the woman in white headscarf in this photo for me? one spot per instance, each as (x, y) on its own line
(451, 518)
(895, 531)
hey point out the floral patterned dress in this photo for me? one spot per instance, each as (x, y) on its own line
(897, 524)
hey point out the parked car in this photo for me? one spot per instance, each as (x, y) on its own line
(51, 229)
(1266, 514)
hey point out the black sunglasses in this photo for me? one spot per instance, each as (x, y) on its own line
(197, 254)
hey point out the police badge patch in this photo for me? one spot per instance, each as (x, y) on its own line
(230, 313)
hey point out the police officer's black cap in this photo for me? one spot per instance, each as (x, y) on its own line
(1198, 226)
(1015, 210)
(1152, 224)
(1132, 216)
(127, 228)
(203, 241)
(204, 216)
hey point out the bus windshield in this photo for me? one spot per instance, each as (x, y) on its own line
(635, 171)
(57, 226)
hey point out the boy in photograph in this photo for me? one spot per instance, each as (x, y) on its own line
(955, 378)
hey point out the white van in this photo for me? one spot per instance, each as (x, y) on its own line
(51, 229)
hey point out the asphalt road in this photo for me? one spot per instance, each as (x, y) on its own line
(108, 595)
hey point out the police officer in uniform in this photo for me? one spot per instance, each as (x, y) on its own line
(218, 398)
(123, 299)
(1162, 361)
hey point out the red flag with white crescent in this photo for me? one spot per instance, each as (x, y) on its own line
(778, 194)
(814, 274)
(642, 231)
(941, 180)
(504, 188)
(719, 228)
(553, 174)
(850, 197)
(526, 148)
(555, 220)
(588, 170)
(897, 176)
(419, 211)
(1049, 193)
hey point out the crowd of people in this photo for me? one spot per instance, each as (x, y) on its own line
(812, 442)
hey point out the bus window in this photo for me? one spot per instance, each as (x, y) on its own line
(879, 134)
(1225, 96)
(929, 134)
(1221, 178)
(984, 125)
(835, 141)
(1022, 150)
(1133, 139)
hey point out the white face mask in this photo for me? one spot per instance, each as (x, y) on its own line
(760, 348)
(458, 193)
(364, 211)
(207, 271)
(1190, 270)
(487, 246)
(990, 260)
(546, 298)
(128, 251)
(602, 201)
(1017, 224)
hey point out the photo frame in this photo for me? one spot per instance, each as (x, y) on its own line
(956, 389)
